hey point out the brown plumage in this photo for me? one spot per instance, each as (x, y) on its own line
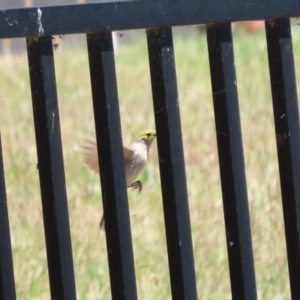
(135, 158)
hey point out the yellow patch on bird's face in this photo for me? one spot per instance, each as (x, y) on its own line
(147, 135)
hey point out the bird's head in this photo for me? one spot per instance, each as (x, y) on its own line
(147, 136)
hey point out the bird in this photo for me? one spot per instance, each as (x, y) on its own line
(135, 158)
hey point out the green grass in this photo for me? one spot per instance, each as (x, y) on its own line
(205, 199)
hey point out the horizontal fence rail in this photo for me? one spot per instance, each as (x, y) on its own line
(137, 14)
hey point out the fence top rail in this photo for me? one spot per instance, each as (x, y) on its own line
(123, 15)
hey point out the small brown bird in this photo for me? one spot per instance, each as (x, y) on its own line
(135, 158)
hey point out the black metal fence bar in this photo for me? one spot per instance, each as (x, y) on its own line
(286, 116)
(112, 172)
(51, 169)
(7, 282)
(231, 161)
(137, 14)
(171, 163)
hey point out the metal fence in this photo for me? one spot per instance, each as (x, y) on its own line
(37, 25)
(14, 46)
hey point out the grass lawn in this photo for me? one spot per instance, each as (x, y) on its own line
(205, 199)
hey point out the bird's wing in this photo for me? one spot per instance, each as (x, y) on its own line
(90, 155)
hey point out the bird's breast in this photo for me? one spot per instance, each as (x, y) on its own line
(134, 167)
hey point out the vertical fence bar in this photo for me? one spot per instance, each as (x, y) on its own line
(171, 163)
(286, 117)
(7, 281)
(231, 160)
(51, 169)
(112, 172)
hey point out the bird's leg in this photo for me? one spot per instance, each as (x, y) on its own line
(102, 225)
(137, 185)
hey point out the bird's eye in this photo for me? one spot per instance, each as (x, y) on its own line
(148, 134)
